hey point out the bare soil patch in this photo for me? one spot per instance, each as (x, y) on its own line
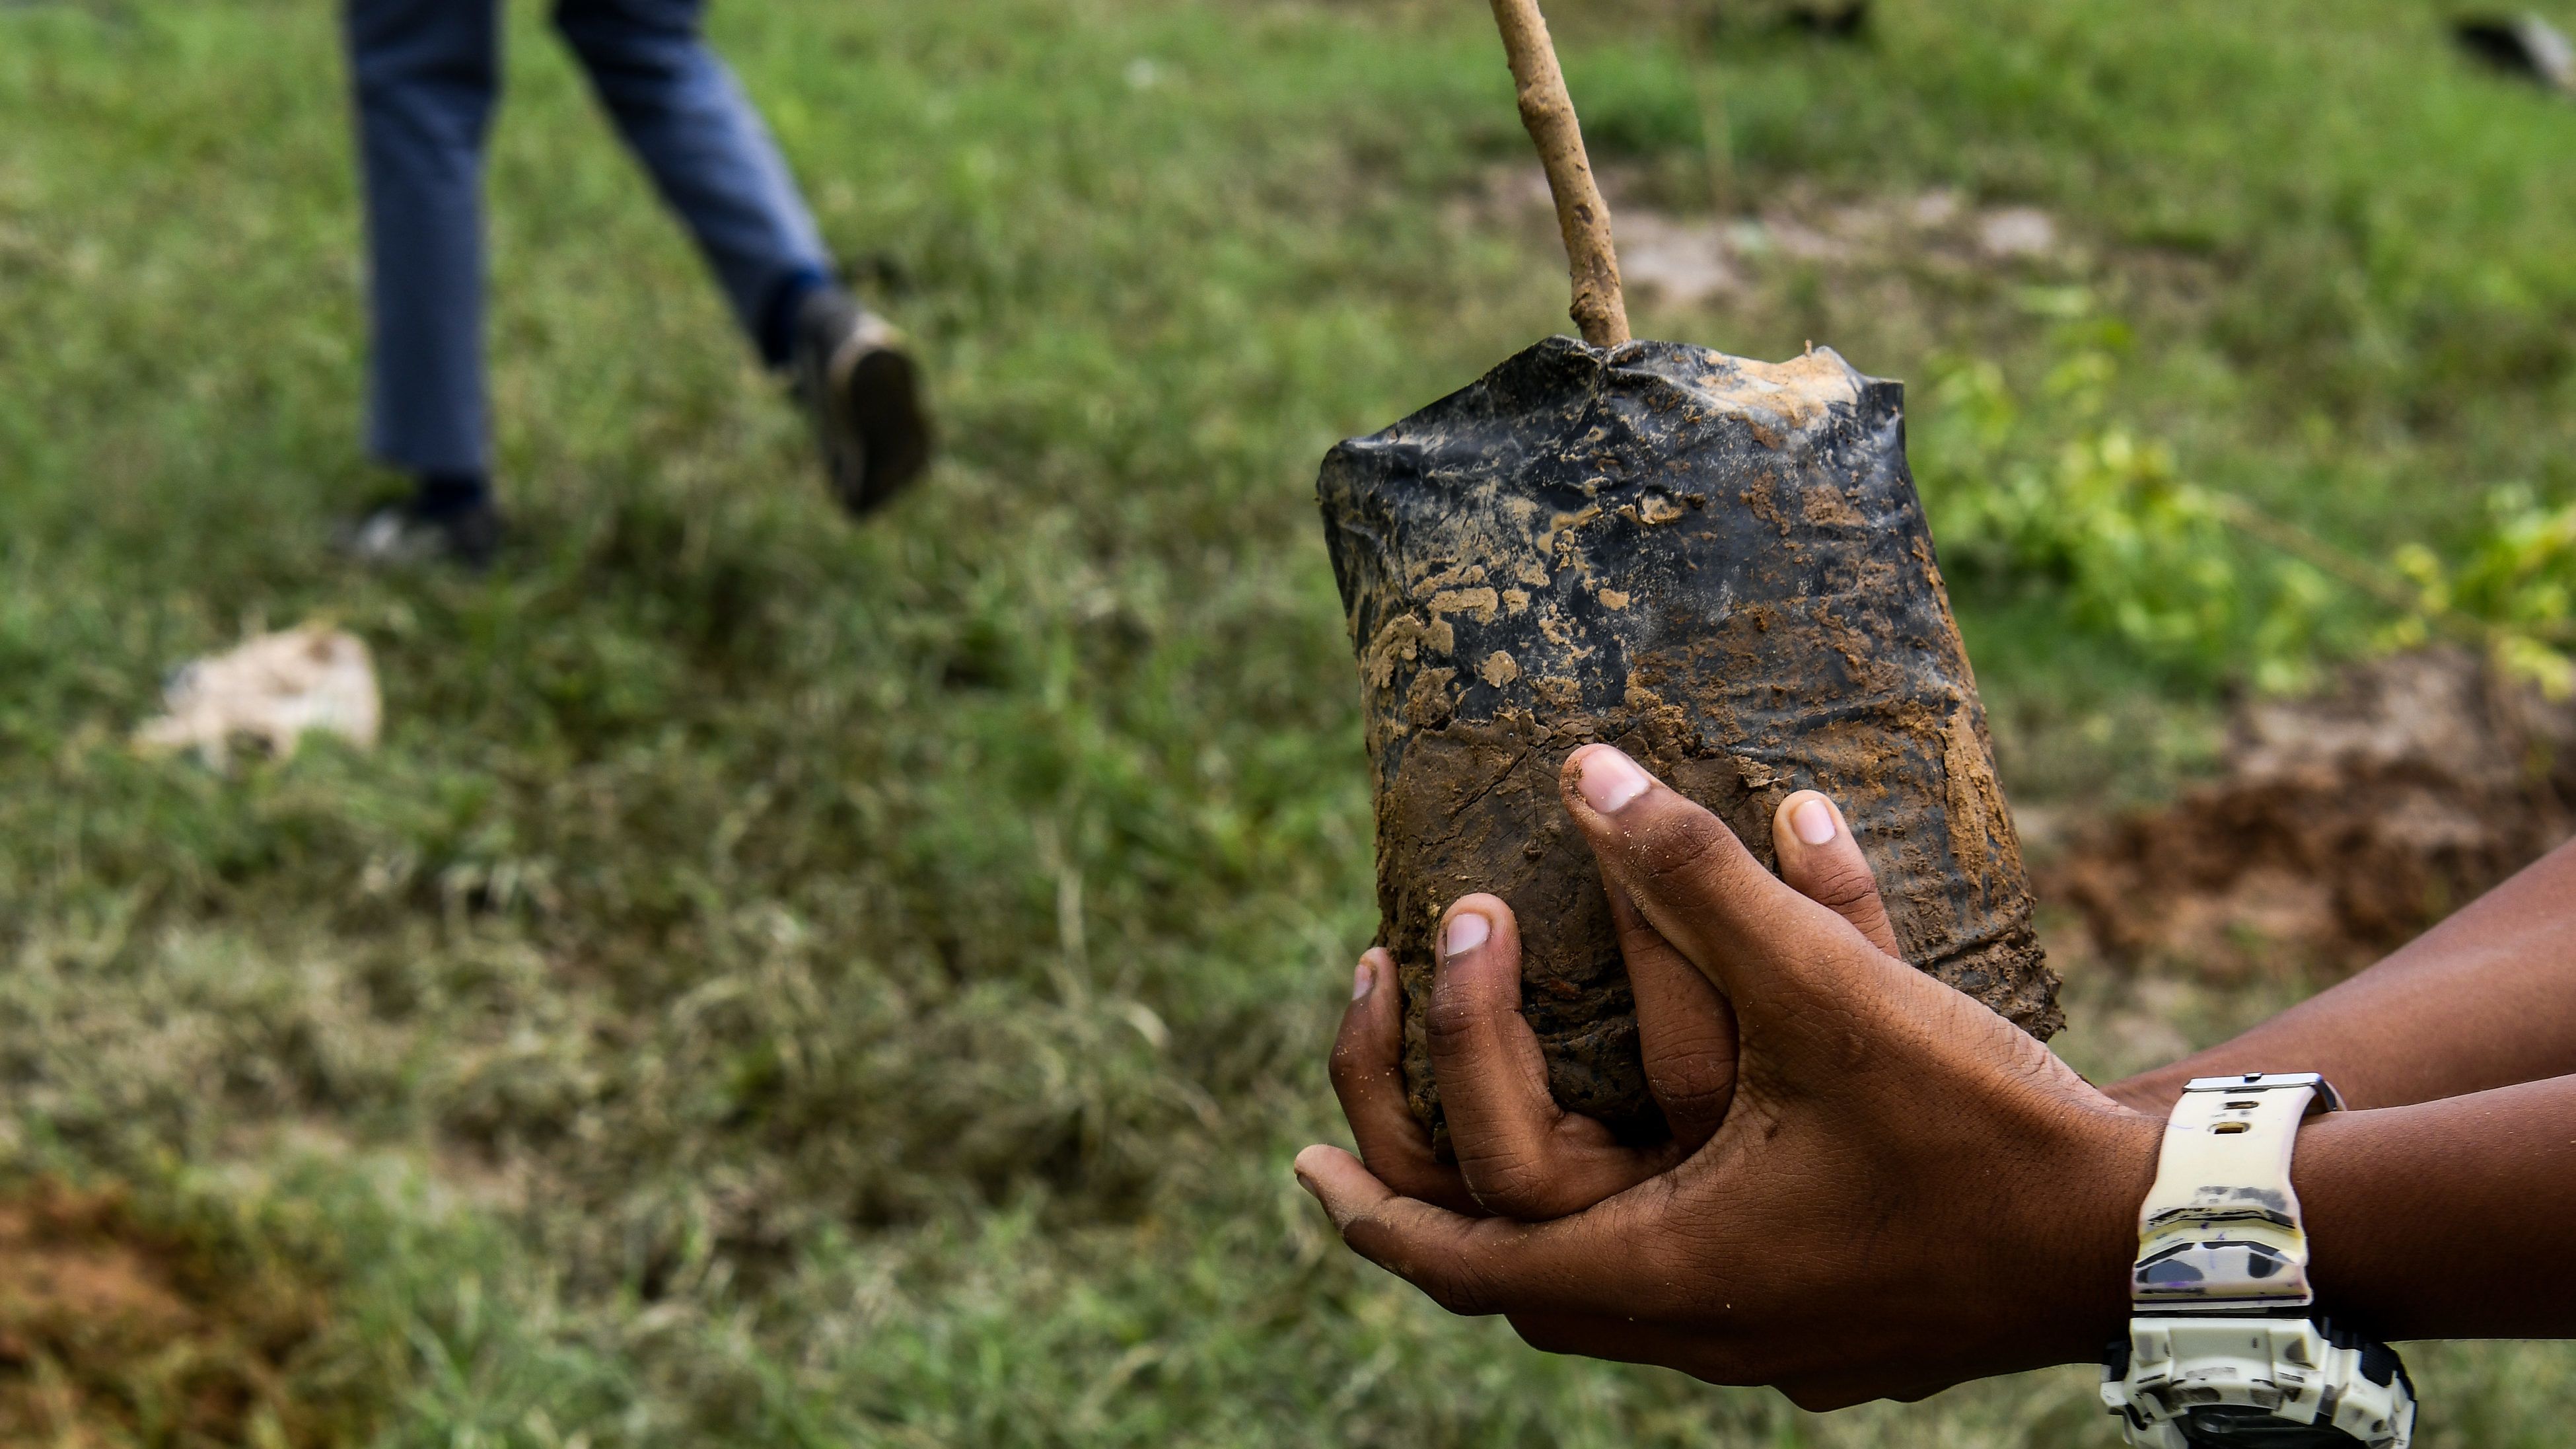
(1689, 258)
(2346, 824)
(117, 1332)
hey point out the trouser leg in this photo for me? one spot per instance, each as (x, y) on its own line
(686, 118)
(426, 75)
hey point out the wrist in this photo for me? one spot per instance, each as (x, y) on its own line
(2088, 1233)
(2121, 1168)
(2230, 1341)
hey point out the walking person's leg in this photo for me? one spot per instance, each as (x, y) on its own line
(681, 110)
(426, 74)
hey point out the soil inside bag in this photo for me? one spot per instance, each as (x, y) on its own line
(1720, 566)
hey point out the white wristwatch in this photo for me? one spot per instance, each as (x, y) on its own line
(2224, 1349)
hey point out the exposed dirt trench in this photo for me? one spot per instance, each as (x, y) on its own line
(2345, 824)
(116, 1331)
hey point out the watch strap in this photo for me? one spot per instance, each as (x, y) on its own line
(2220, 1231)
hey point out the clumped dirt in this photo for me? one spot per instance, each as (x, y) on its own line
(2345, 824)
(116, 1332)
(1719, 565)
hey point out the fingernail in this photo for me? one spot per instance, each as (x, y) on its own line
(1467, 931)
(1363, 979)
(1813, 820)
(1610, 780)
(1305, 1177)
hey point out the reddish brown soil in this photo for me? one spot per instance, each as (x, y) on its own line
(2346, 824)
(113, 1332)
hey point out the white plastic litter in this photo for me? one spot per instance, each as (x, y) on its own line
(272, 691)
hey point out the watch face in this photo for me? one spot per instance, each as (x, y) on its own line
(2228, 1426)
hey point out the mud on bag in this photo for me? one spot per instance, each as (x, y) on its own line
(1717, 564)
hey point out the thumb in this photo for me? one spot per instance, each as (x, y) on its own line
(1819, 857)
(1695, 883)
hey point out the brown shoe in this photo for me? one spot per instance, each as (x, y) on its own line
(865, 397)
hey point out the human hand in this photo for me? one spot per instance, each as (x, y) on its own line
(1520, 1155)
(1892, 1189)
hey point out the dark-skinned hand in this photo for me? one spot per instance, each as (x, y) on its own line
(1876, 1186)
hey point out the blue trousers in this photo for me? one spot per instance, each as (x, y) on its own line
(427, 74)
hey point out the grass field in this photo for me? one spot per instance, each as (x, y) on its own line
(788, 983)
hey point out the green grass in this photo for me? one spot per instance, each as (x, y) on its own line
(788, 983)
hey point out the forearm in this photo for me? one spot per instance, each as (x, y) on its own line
(2446, 1219)
(2485, 999)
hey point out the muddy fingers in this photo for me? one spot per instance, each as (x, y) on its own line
(1520, 1154)
(1368, 1076)
(1685, 1029)
(1695, 883)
